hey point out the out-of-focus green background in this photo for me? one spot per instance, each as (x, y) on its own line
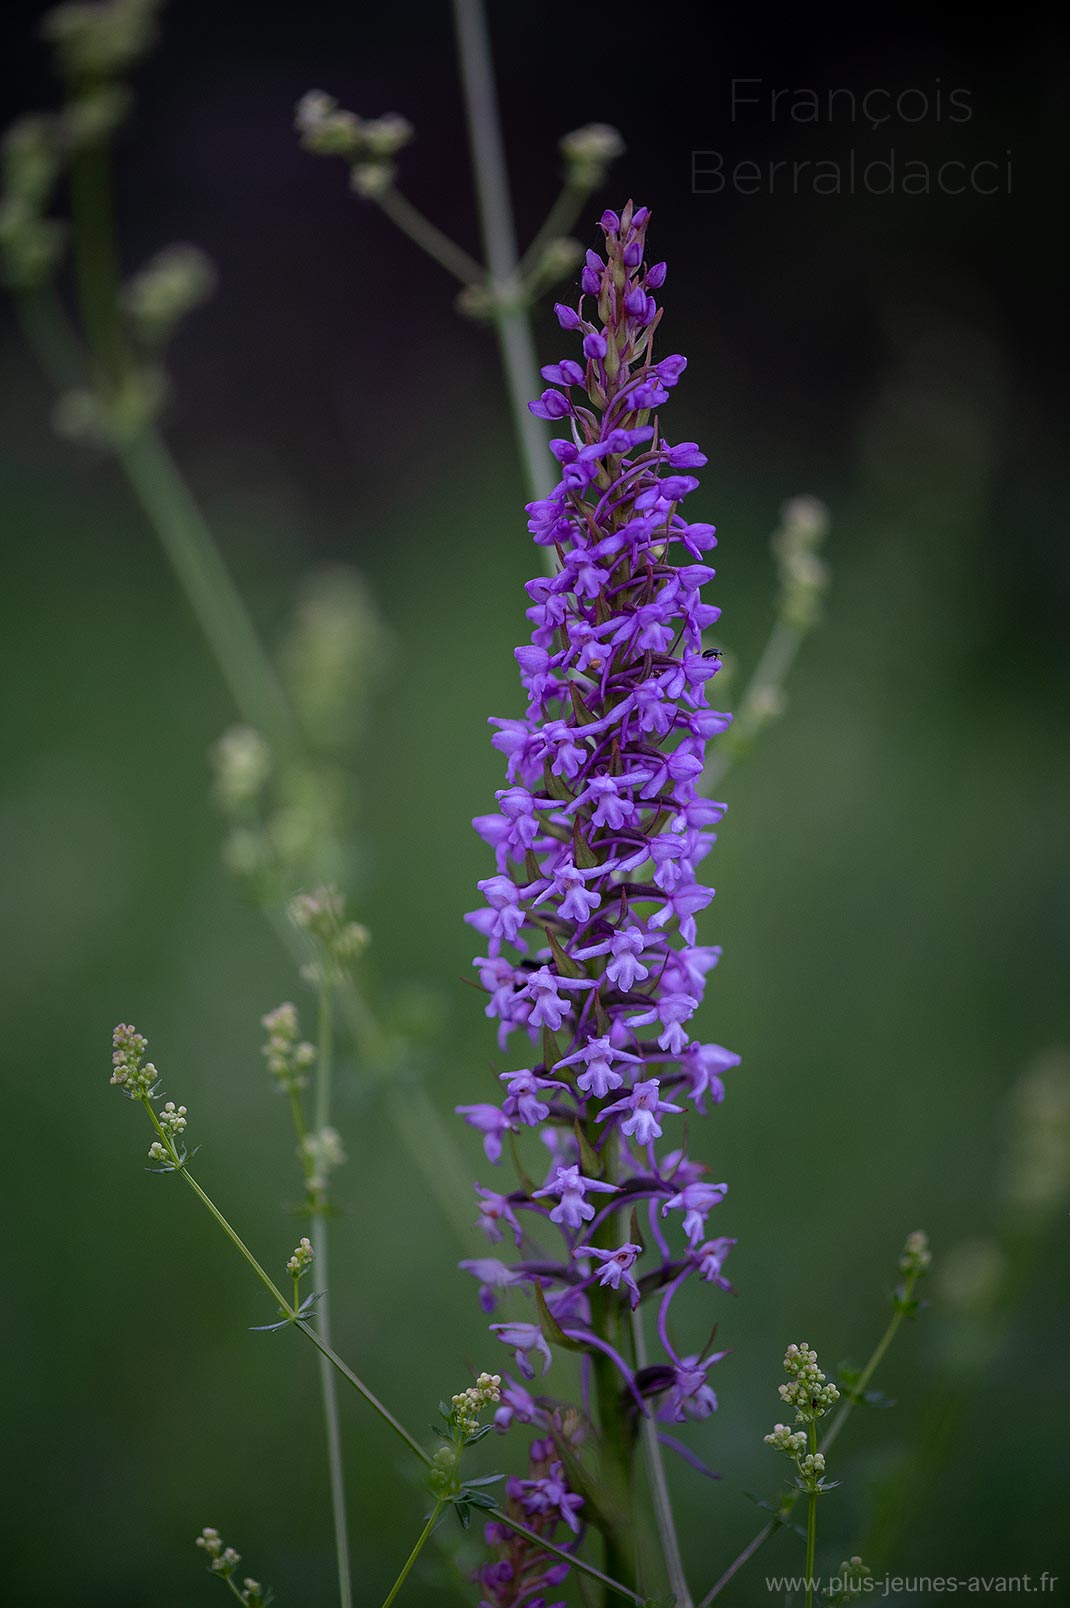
(891, 875)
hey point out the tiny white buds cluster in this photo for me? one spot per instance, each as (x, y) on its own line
(333, 655)
(175, 281)
(783, 1439)
(467, 1405)
(99, 40)
(172, 1119)
(1036, 1176)
(916, 1259)
(224, 1561)
(288, 1055)
(30, 242)
(319, 913)
(850, 1583)
(368, 144)
(242, 763)
(804, 523)
(82, 414)
(322, 1151)
(340, 943)
(95, 116)
(588, 154)
(811, 1395)
(809, 1391)
(130, 1071)
(302, 1258)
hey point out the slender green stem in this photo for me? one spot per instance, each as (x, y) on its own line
(617, 1439)
(320, 1246)
(769, 676)
(659, 1485)
(358, 1384)
(210, 591)
(579, 1564)
(50, 338)
(864, 1377)
(230, 1582)
(811, 1528)
(429, 1142)
(414, 1554)
(827, 1439)
(558, 222)
(744, 1557)
(285, 1308)
(423, 233)
(512, 319)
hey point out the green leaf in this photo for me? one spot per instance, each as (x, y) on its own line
(583, 715)
(463, 1512)
(551, 1052)
(527, 1183)
(591, 1164)
(582, 853)
(556, 786)
(566, 966)
(479, 1499)
(552, 1330)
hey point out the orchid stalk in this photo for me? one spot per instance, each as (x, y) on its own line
(590, 916)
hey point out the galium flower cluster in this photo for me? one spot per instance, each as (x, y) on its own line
(224, 1562)
(811, 1394)
(592, 960)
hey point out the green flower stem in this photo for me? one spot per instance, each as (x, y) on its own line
(230, 1582)
(415, 1553)
(423, 233)
(209, 588)
(871, 1367)
(285, 1308)
(811, 1527)
(827, 1439)
(659, 1486)
(617, 1438)
(625, 1592)
(769, 676)
(511, 316)
(320, 1249)
(429, 1142)
(571, 200)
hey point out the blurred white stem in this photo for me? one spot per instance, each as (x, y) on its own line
(659, 1487)
(511, 317)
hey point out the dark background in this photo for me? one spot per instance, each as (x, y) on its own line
(890, 875)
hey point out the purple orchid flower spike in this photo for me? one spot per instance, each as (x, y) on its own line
(590, 917)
